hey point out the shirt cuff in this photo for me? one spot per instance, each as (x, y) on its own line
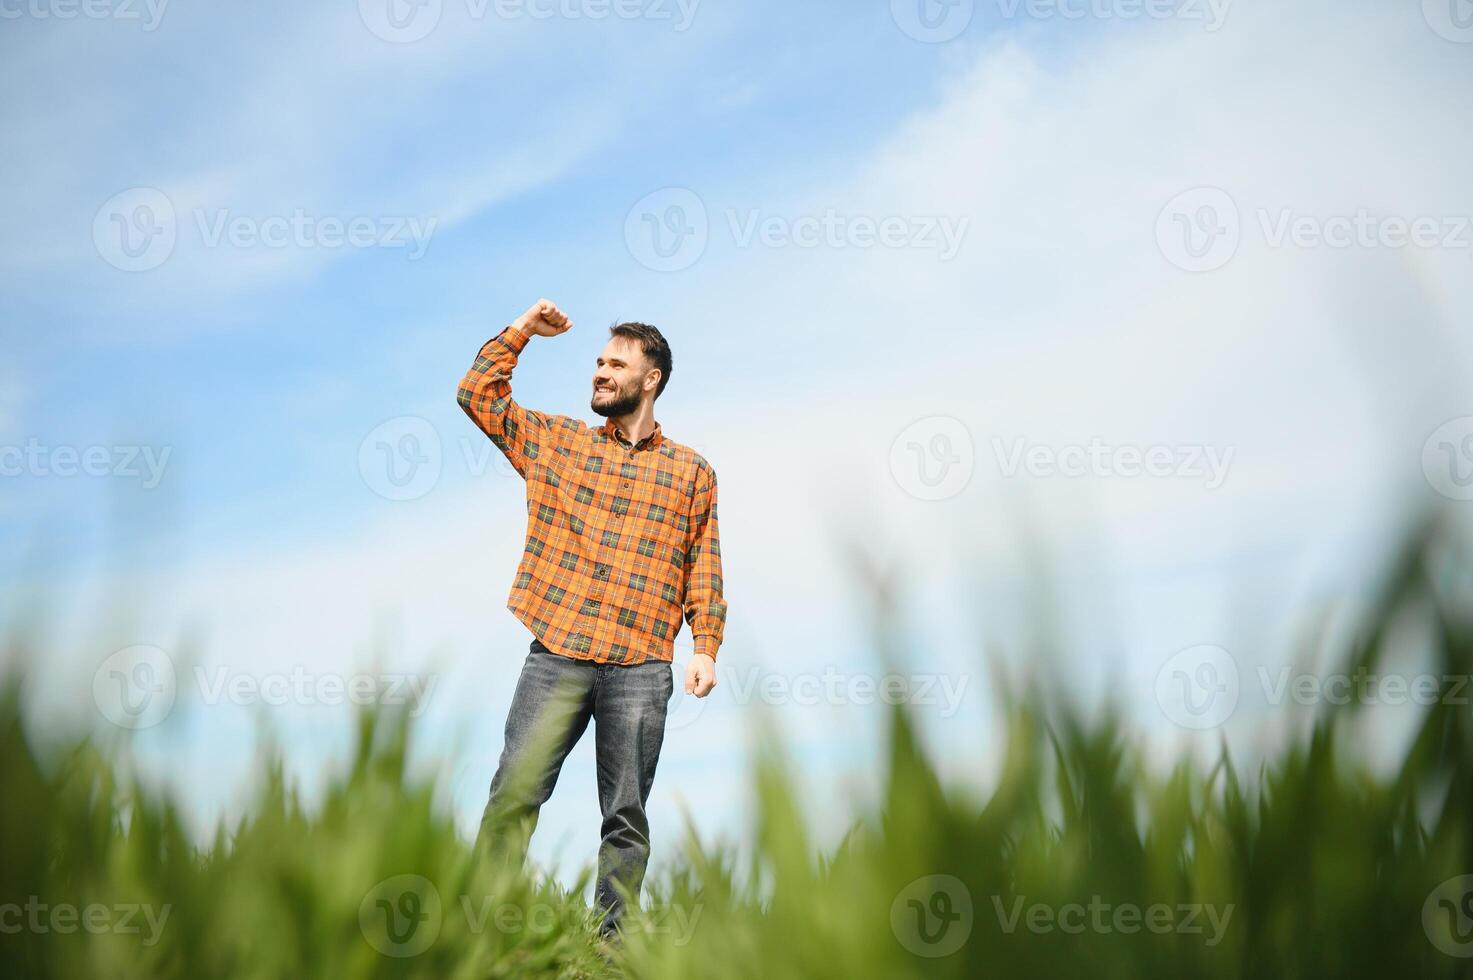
(514, 338)
(707, 644)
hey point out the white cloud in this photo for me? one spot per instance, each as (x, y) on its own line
(1060, 320)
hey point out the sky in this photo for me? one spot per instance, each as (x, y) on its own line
(1111, 339)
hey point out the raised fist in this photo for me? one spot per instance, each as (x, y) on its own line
(543, 319)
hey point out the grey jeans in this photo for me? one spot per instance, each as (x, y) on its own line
(554, 700)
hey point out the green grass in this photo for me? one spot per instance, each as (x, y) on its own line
(1307, 866)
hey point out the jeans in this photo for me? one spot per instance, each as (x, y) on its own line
(555, 697)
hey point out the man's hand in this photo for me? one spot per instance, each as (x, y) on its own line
(700, 675)
(543, 319)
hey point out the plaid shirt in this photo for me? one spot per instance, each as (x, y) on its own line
(621, 540)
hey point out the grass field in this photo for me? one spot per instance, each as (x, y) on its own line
(1082, 861)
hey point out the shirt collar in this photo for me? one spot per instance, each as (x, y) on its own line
(651, 441)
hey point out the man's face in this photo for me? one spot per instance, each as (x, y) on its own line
(619, 378)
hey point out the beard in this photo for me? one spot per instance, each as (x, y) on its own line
(621, 402)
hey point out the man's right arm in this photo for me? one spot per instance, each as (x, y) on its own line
(522, 434)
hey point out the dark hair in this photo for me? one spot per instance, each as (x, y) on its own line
(653, 344)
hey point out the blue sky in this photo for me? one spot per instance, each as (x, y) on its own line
(1061, 153)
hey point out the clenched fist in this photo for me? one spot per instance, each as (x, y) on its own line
(700, 675)
(543, 319)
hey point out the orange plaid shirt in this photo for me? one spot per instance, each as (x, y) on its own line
(622, 540)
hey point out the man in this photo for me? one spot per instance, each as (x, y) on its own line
(621, 545)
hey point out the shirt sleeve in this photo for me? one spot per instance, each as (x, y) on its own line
(522, 434)
(705, 606)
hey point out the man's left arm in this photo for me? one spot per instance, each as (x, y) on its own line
(705, 606)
